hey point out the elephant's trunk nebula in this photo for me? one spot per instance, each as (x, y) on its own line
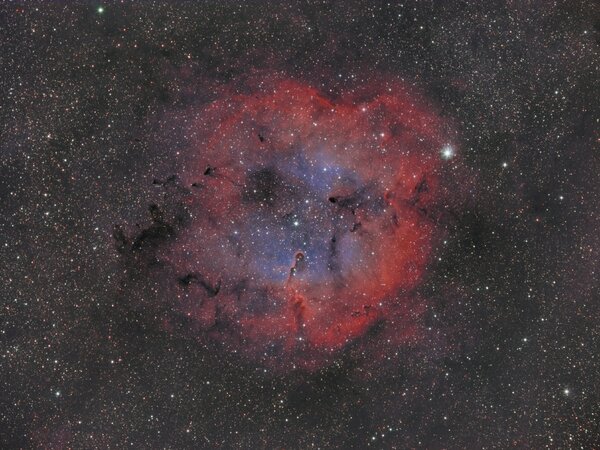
(311, 217)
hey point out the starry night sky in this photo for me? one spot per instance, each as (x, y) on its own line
(100, 107)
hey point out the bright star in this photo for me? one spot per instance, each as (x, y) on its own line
(447, 152)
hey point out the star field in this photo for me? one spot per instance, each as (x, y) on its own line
(198, 196)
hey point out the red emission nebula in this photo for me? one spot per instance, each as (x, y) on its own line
(312, 218)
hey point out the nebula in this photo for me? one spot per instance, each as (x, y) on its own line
(311, 217)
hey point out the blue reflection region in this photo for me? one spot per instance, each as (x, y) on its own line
(301, 235)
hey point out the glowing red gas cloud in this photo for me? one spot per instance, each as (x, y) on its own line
(311, 216)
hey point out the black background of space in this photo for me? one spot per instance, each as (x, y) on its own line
(511, 358)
